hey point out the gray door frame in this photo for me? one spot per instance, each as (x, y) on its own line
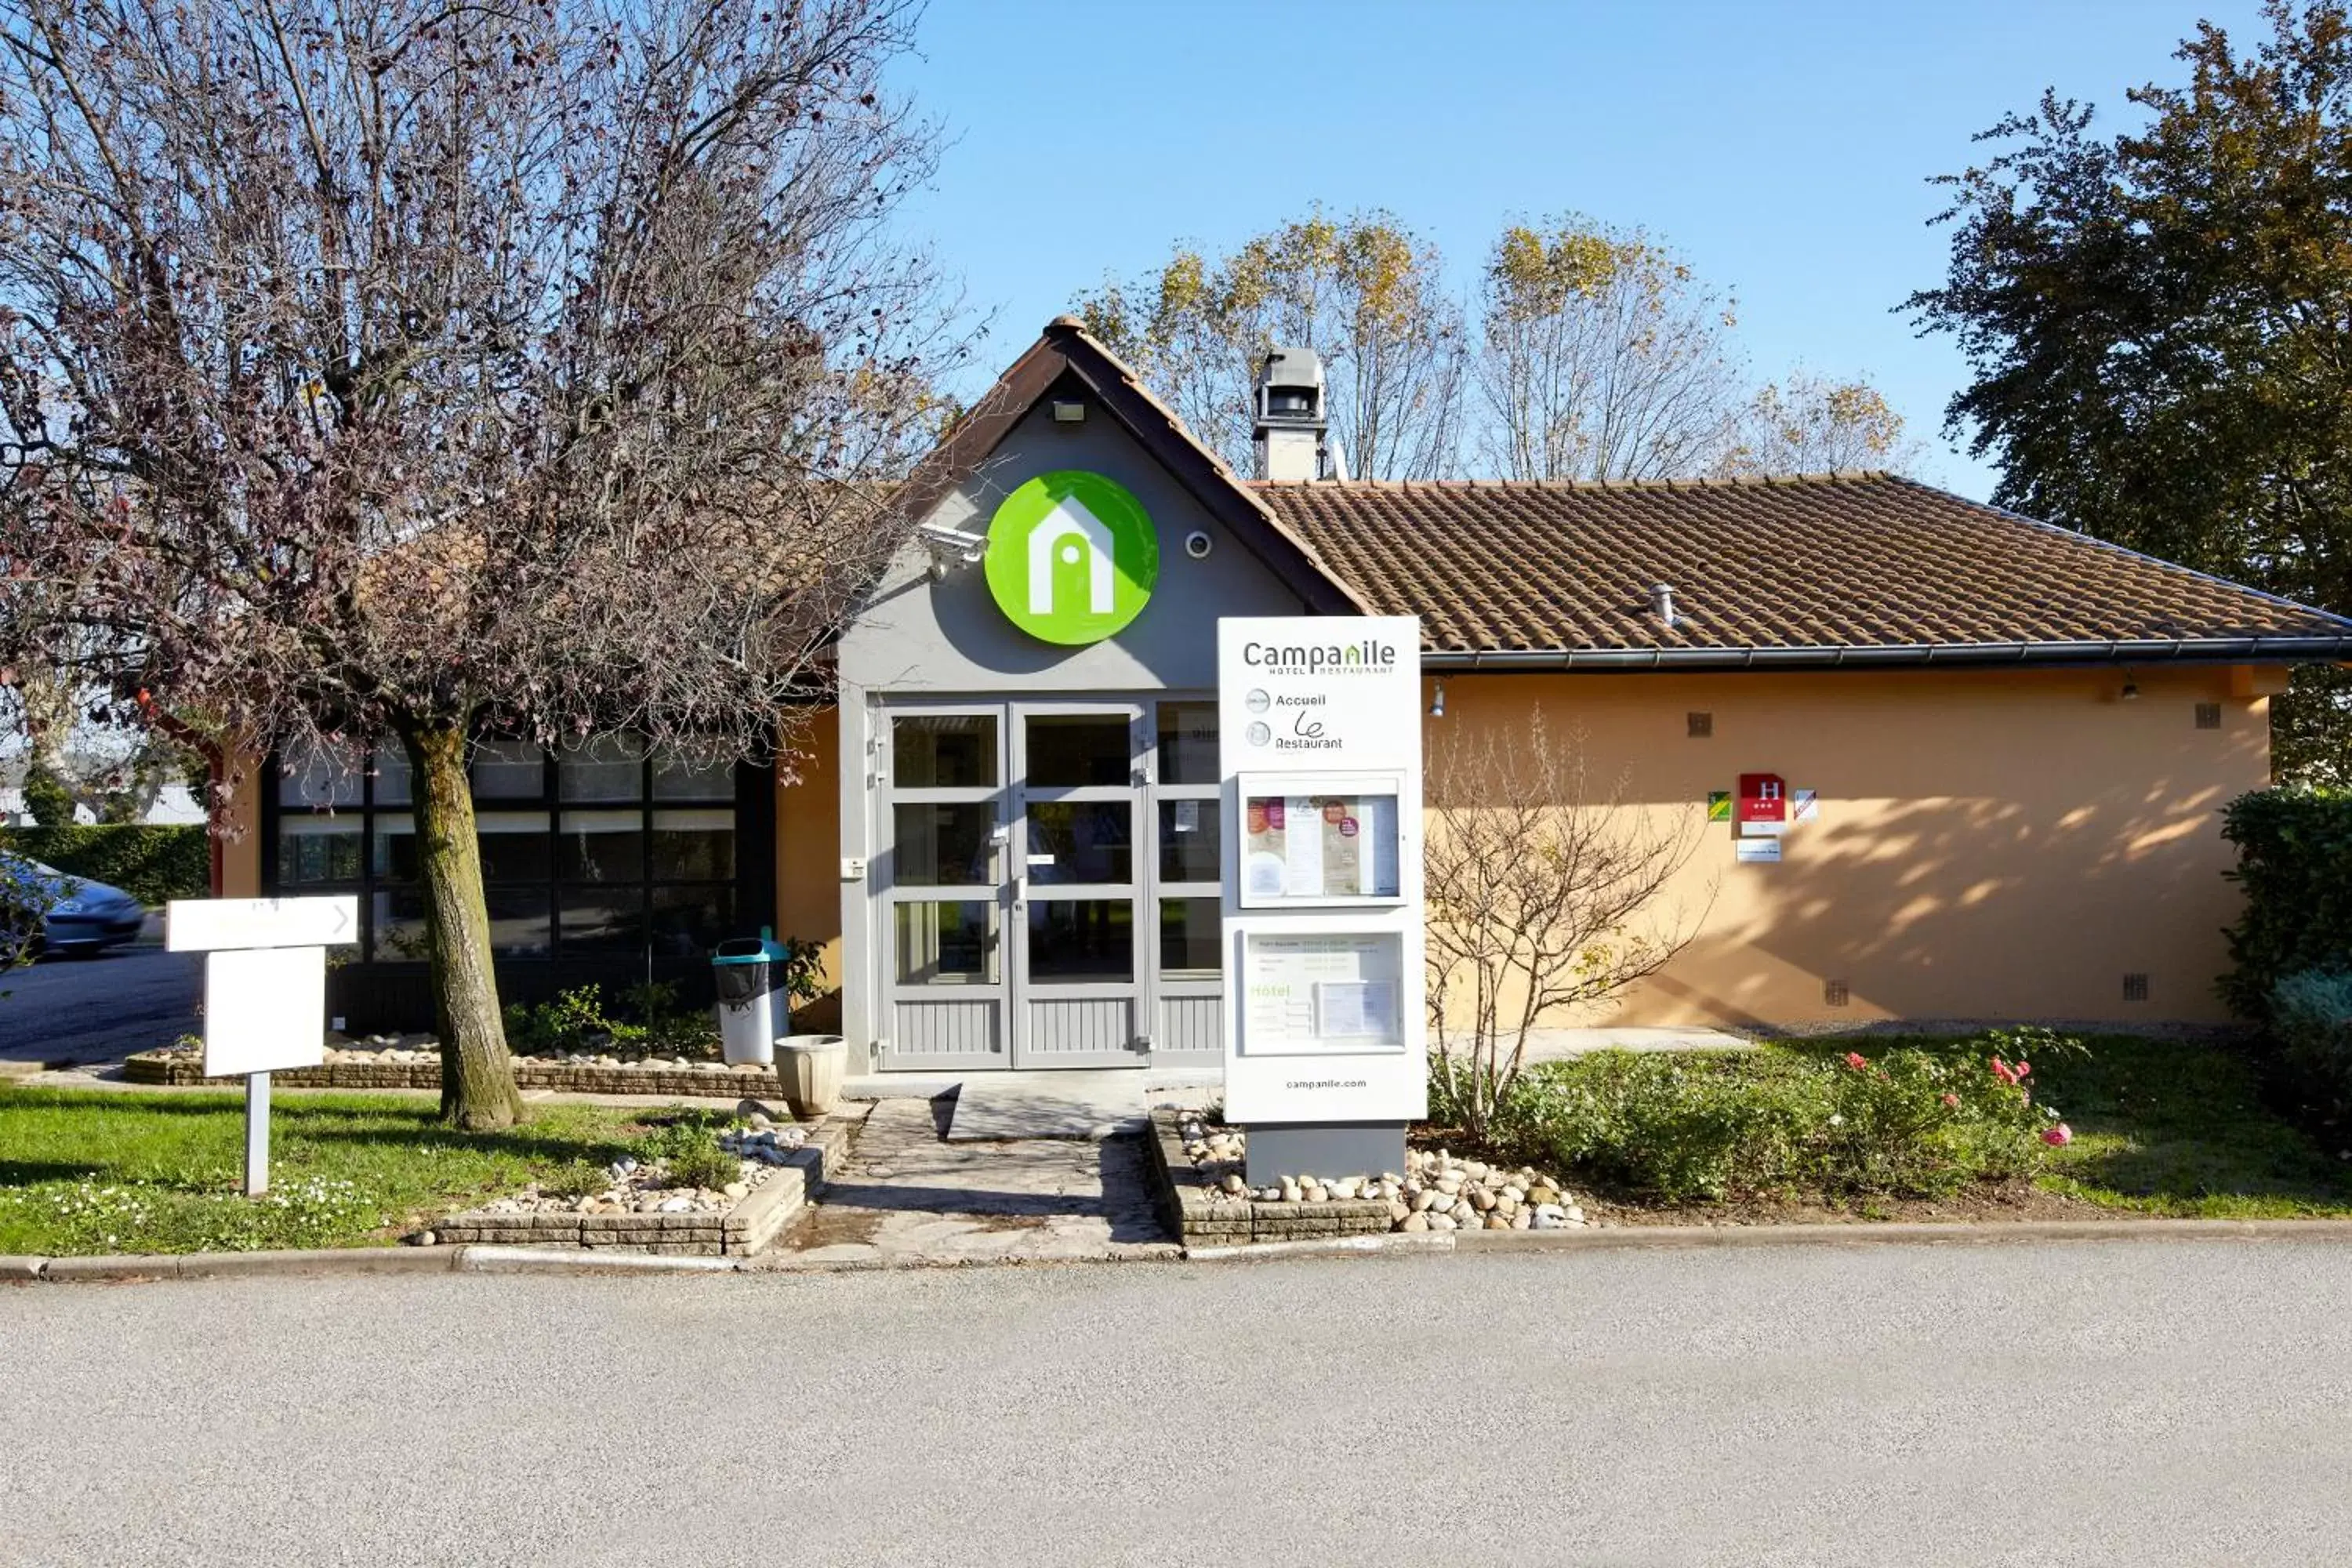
(908, 1015)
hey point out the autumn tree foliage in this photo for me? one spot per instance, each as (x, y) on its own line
(2156, 323)
(1364, 291)
(1584, 352)
(404, 372)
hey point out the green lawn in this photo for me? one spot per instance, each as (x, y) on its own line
(101, 1170)
(2169, 1127)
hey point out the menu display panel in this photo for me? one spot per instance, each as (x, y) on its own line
(1336, 994)
(1306, 845)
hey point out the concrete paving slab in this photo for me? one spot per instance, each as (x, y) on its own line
(1076, 1104)
(909, 1198)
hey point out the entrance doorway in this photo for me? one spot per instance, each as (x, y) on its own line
(1047, 884)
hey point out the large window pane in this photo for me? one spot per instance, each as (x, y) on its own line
(1081, 841)
(687, 923)
(680, 778)
(319, 774)
(600, 920)
(398, 935)
(509, 770)
(1189, 842)
(519, 922)
(1081, 939)
(392, 774)
(945, 944)
(1067, 749)
(603, 847)
(395, 855)
(944, 752)
(313, 849)
(1190, 938)
(1188, 743)
(943, 846)
(603, 767)
(515, 846)
(694, 846)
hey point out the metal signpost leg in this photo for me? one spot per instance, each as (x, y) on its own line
(256, 1135)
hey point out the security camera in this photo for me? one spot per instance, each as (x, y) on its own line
(1198, 544)
(950, 547)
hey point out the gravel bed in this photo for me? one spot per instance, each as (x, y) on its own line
(760, 1148)
(1436, 1191)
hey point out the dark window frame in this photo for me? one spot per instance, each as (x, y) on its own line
(746, 898)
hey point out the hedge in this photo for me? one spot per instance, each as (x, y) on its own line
(2295, 863)
(2311, 1016)
(153, 863)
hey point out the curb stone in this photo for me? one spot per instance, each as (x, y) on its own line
(12, 1267)
(493, 1259)
(1963, 1233)
(1326, 1246)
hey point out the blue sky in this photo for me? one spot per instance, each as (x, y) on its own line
(1784, 148)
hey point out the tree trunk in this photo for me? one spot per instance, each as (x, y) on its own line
(477, 1087)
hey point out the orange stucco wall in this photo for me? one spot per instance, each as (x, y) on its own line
(1991, 845)
(808, 851)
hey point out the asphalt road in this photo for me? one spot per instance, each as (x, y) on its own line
(2129, 1403)
(99, 1009)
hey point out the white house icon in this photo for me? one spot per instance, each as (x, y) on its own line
(1067, 530)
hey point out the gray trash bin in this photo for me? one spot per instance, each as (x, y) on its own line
(749, 972)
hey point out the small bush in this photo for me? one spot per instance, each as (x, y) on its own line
(579, 1179)
(2311, 1017)
(154, 863)
(692, 1158)
(578, 1020)
(1777, 1123)
(2294, 863)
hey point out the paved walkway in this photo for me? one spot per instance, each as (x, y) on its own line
(909, 1198)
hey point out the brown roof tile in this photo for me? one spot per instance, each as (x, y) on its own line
(1871, 565)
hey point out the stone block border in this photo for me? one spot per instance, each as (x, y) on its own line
(1205, 1216)
(705, 1080)
(747, 1228)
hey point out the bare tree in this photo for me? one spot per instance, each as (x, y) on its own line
(1601, 356)
(1815, 426)
(1362, 292)
(1545, 900)
(405, 371)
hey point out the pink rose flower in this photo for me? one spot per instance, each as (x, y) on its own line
(1855, 1060)
(1951, 1099)
(2003, 1071)
(2058, 1137)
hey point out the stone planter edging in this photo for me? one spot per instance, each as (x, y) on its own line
(1205, 1216)
(711, 1080)
(743, 1231)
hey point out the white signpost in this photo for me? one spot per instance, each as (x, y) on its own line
(265, 993)
(1325, 1036)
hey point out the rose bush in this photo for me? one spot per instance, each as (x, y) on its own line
(1784, 1121)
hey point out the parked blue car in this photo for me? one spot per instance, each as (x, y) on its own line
(78, 915)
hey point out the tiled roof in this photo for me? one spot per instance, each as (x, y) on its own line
(1860, 566)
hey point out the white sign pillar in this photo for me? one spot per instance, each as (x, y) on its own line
(265, 993)
(1326, 1029)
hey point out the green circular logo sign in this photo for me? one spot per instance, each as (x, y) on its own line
(1072, 557)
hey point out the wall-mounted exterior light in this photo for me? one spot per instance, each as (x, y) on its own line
(1437, 701)
(1069, 411)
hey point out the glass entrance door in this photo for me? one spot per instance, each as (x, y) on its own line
(944, 830)
(1047, 885)
(1078, 961)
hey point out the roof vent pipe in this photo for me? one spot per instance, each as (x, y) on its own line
(1663, 596)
